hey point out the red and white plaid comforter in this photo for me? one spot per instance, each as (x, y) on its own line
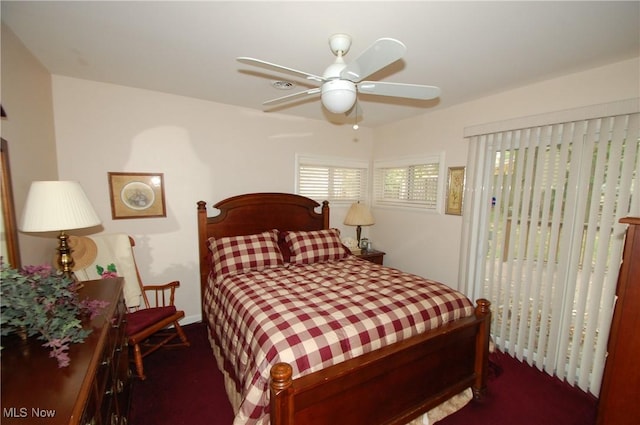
(313, 316)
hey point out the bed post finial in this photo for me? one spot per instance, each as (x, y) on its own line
(325, 214)
(281, 394)
(483, 307)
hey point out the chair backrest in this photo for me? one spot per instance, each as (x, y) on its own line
(117, 249)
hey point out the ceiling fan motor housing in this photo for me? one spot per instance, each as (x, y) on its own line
(338, 96)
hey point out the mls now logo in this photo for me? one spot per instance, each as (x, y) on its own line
(23, 412)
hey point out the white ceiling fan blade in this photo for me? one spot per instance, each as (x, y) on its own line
(292, 96)
(383, 52)
(280, 68)
(410, 91)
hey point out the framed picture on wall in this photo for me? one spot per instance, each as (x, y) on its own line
(455, 190)
(137, 195)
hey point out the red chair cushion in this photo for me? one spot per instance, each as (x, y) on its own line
(142, 319)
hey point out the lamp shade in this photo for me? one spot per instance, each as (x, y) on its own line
(57, 206)
(359, 215)
(338, 96)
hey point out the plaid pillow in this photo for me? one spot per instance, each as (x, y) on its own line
(315, 246)
(241, 254)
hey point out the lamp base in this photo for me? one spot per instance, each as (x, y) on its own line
(65, 260)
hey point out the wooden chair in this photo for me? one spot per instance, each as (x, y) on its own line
(147, 327)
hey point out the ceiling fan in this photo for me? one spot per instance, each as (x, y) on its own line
(341, 82)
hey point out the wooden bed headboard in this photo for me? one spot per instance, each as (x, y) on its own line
(254, 213)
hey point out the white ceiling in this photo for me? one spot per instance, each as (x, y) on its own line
(468, 49)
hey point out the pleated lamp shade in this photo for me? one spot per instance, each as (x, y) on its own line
(57, 206)
(359, 215)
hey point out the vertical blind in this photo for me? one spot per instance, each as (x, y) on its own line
(544, 243)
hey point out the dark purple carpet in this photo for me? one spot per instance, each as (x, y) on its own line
(184, 387)
(523, 395)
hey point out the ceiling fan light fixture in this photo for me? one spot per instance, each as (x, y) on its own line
(338, 96)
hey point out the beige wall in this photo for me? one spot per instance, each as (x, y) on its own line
(207, 151)
(28, 129)
(429, 244)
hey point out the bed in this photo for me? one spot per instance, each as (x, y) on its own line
(393, 381)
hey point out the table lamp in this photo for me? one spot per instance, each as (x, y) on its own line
(58, 206)
(359, 215)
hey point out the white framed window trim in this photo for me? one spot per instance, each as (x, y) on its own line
(415, 183)
(335, 179)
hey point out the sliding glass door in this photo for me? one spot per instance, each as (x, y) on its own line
(547, 243)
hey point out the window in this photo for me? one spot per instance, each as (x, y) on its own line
(332, 179)
(412, 182)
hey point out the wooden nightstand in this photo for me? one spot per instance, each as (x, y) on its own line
(372, 255)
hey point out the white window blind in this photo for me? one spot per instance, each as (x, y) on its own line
(543, 239)
(409, 183)
(332, 179)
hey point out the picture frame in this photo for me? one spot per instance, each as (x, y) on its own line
(136, 195)
(455, 191)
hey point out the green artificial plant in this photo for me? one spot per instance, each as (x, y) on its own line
(39, 301)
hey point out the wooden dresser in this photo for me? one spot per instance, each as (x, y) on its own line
(93, 390)
(619, 402)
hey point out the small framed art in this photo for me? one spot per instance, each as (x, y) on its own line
(137, 195)
(455, 190)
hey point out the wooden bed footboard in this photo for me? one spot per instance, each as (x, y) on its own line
(392, 385)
